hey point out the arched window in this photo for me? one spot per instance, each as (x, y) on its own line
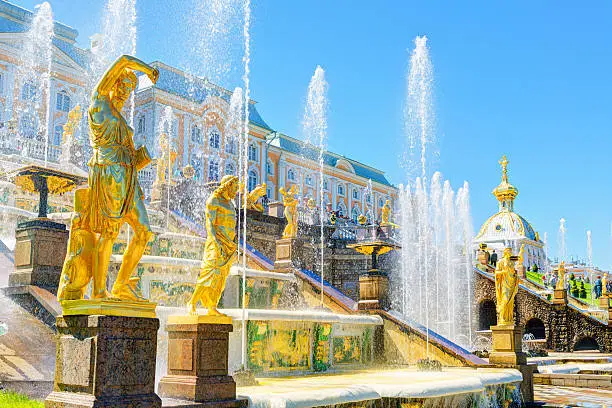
(213, 170)
(355, 213)
(196, 134)
(230, 145)
(57, 135)
(27, 125)
(270, 167)
(62, 101)
(253, 152)
(28, 91)
(326, 184)
(340, 189)
(214, 138)
(252, 180)
(141, 124)
(230, 169)
(341, 209)
(197, 167)
(355, 194)
(291, 175)
(309, 181)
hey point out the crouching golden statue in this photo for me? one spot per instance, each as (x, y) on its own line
(114, 196)
(506, 287)
(220, 247)
(254, 196)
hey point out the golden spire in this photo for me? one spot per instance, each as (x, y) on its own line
(505, 192)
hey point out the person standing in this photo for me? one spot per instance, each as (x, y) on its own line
(597, 287)
(493, 258)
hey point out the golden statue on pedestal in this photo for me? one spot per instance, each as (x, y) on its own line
(506, 287)
(220, 247)
(290, 203)
(72, 124)
(254, 196)
(166, 160)
(114, 196)
(604, 285)
(385, 215)
(561, 276)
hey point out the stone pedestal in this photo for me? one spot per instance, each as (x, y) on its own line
(373, 290)
(198, 359)
(288, 251)
(604, 302)
(40, 249)
(507, 352)
(559, 297)
(105, 361)
(276, 209)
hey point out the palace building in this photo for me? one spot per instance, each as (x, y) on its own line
(507, 228)
(193, 113)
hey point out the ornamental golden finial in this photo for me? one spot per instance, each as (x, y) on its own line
(506, 287)
(290, 203)
(220, 246)
(504, 164)
(114, 196)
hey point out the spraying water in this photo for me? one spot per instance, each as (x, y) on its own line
(314, 127)
(166, 126)
(561, 238)
(589, 249)
(34, 82)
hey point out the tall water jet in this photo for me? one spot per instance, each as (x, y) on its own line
(561, 240)
(419, 112)
(314, 125)
(34, 84)
(589, 249)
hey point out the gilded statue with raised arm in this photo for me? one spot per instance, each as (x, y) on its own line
(290, 202)
(506, 287)
(220, 247)
(114, 196)
(561, 276)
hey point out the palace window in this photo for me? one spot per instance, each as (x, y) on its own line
(141, 125)
(213, 171)
(355, 214)
(62, 101)
(230, 145)
(369, 198)
(253, 152)
(214, 138)
(28, 91)
(196, 134)
(326, 184)
(252, 180)
(270, 167)
(355, 194)
(340, 189)
(27, 125)
(309, 181)
(197, 167)
(230, 169)
(57, 135)
(291, 175)
(381, 202)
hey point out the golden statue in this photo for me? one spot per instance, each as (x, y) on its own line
(254, 196)
(604, 283)
(506, 287)
(220, 246)
(290, 203)
(72, 124)
(385, 215)
(166, 160)
(114, 196)
(561, 276)
(521, 256)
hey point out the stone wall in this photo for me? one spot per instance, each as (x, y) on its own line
(564, 325)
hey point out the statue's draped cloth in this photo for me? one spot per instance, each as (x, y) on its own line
(506, 287)
(113, 178)
(218, 254)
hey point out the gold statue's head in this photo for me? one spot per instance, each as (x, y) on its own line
(228, 187)
(123, 87)
(507, 252)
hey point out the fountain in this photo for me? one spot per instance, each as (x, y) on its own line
(561, 240)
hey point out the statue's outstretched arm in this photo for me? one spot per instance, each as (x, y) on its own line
(113, 73)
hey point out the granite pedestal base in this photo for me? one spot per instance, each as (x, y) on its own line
(604, 301)
(559, 297)
(288, 251)
(40, 249)
(373, 290)
(105, 361)
(507, 352)
(198, 360)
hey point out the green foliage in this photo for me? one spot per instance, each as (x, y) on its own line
(15, 400)
(320, 351)
(535, 277)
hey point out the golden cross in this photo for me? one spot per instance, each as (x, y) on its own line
(504, 163)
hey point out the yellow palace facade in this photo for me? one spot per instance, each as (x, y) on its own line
(194, 113)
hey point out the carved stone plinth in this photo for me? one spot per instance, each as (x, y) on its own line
(559, 297)
(105, 361)
(507, 352)
(40, 249)
(198, 360)
(373, 290)
(288, 251)
(276, 209)
(604, 302)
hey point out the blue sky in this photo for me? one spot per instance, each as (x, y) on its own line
(526, 79)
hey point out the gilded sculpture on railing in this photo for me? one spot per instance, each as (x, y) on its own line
(220, 247)
(114, 196)
(253, 198)
(385, 215)
(561, 276)
(506, 287)
(290, 202)
(165, 162)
